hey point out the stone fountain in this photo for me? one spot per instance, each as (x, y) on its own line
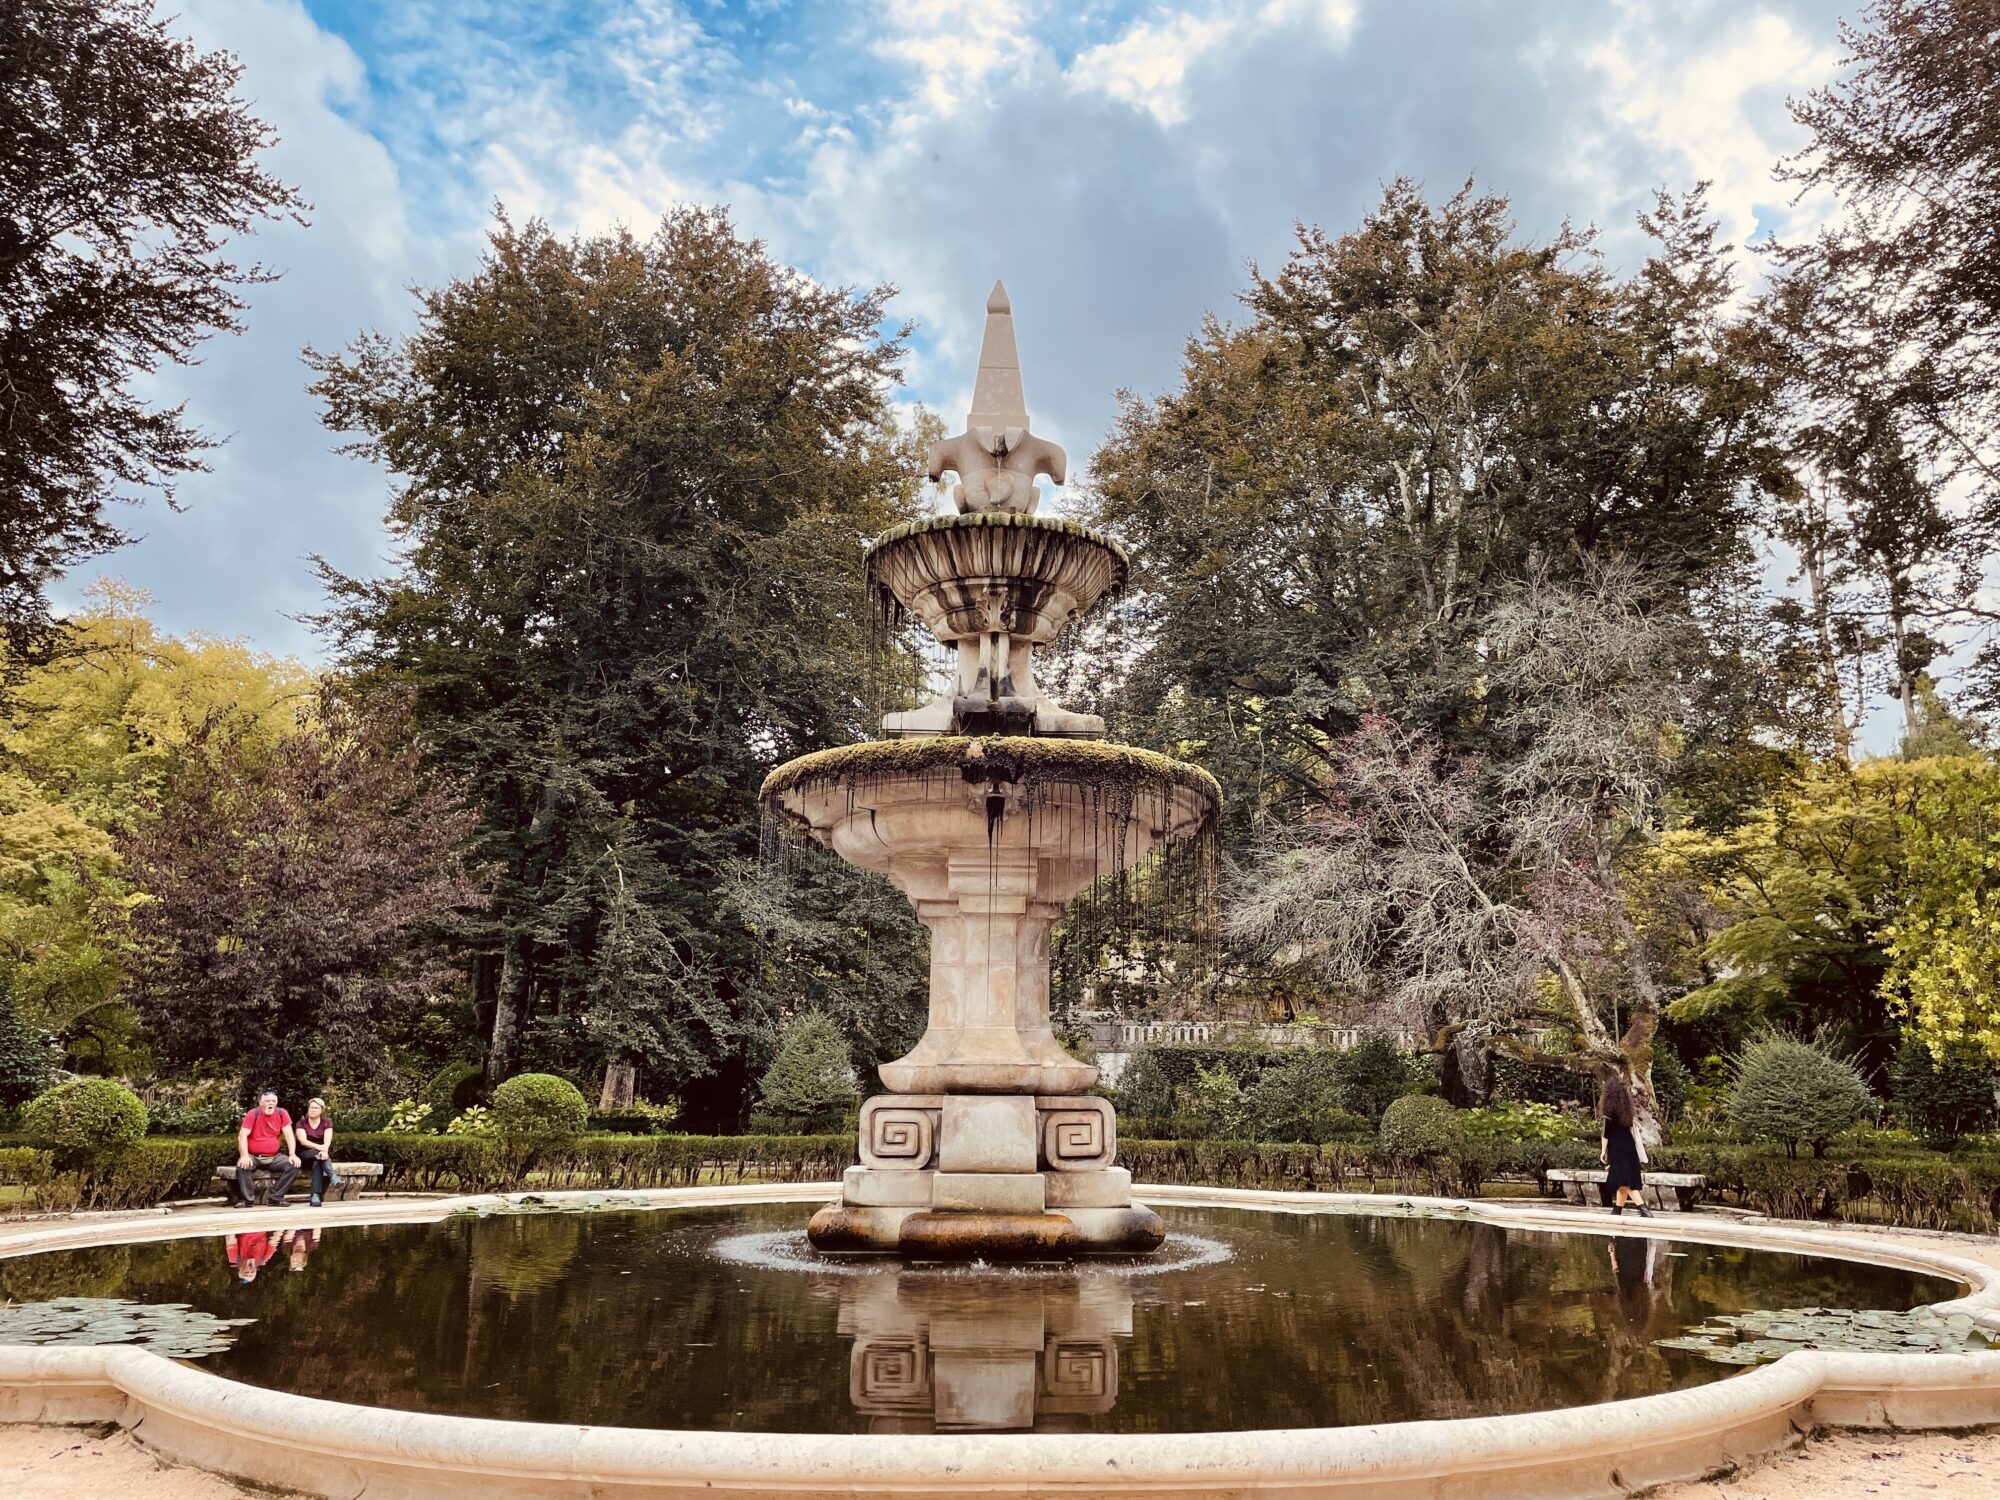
(992, 808)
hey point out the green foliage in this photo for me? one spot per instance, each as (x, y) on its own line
(1508, 1121)
(27, 1056)
(809, 1086)
(636, 1118)
(408, 1118)
(1218, 1104)
(475, 1119)
(86, 1117)
(1420, 1126)
(1529, 1083)
(1306, 1099)
(1671, 1083)
(455, 1086)
(1942, 1099)
(1788, 1090)
(1373, 1074)
(539, 1107)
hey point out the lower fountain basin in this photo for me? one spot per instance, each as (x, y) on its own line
(722, 1319)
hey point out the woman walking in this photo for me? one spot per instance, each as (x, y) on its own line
(1618, 1148)
(315, 1135)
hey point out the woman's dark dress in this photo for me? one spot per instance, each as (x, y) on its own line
(1621, 1153)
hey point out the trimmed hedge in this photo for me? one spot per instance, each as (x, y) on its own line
(1917, 1189)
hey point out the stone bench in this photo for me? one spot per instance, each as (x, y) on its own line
(1687, 1187)
(354, 1176)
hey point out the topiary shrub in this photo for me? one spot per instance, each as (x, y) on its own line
(86, 1118)
(1420, 1126)
(27, 1055)
(809, 1086)
(1373, 1074)
(1942, 1099)
(539, 1107)
(1790, 1091)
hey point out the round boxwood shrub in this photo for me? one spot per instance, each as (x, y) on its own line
(539, 1106)
(1420, 1125)
(1791, 1090)
(88, 1117)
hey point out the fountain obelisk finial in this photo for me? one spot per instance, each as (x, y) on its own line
(996, 458)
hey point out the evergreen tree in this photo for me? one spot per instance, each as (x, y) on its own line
(810, 1083)
(26, 1056)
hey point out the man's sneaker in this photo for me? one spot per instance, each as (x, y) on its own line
(315, 1200)
(242, 1203)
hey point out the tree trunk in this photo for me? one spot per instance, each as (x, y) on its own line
(620, 1086)
(1813, 555)
(510, 1004)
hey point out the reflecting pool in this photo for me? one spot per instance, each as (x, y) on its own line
(723, 1319)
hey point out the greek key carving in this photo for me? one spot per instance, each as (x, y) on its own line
(890, 1375)
(899, 1133)
(1078, 1135)
(1079, 1376)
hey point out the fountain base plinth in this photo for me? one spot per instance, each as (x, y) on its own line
(959, 1176)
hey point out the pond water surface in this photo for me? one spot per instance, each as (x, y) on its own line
(722, 1319)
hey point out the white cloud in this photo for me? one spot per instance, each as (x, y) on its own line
(1116, 172)
(957, 46)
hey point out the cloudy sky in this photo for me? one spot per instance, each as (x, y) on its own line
(1119, 165)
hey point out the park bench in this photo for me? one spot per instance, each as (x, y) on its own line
(354, 1176)
(1664, 1190)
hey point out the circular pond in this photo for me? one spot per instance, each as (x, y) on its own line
(722, 1319)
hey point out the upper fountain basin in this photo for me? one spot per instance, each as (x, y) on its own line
(966, 576)
(1079, 808)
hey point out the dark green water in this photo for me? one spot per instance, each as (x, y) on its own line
(714, 1319)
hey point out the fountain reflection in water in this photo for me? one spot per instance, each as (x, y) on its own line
(953, 1354)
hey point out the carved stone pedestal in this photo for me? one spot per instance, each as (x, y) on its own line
(987, 1176)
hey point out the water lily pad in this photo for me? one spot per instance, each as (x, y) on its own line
(1752, 1338)
(173, 1329)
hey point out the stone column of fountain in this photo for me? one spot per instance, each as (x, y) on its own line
(991, 808)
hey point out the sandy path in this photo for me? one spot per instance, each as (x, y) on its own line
(67, 1463)
(1845, 1465)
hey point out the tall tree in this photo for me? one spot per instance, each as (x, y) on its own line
(1415, 416)
(295, 891)
(1907, 271)
(126, 163)
(635, 480)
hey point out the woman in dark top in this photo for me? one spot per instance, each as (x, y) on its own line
(1619, 1148)
(315, 1136)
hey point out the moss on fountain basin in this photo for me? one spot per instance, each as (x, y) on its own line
(1016, 760)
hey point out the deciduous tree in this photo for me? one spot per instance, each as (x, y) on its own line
(635, 477)
(127, 162)
(294, 892)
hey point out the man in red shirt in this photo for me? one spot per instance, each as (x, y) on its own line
(265, 1139)
(248, 1253)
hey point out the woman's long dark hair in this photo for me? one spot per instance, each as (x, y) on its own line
(1614, 1103)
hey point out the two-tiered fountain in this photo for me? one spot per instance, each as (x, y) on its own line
(992, 808)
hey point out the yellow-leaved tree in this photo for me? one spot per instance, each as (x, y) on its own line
(1944, 945)
(86, 738)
